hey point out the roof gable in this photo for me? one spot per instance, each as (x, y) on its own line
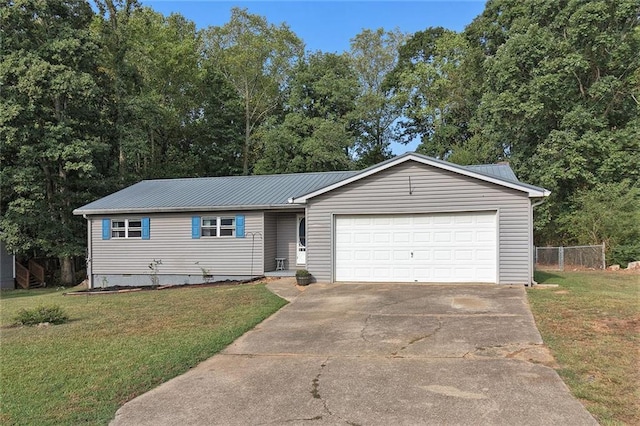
(481, 172)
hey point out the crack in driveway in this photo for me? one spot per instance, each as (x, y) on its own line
(419, 338)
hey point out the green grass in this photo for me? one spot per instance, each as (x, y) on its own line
(114, 348)
(591, 323)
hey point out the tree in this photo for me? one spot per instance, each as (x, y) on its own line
(256, 58)
(375, 55)
(119, 82)
(560, 97)
(436, 76)
(316, 132)
(608, 213)
(48, 110)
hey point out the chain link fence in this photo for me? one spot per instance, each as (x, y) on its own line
(568, 258)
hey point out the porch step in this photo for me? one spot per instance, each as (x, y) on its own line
(282, 273)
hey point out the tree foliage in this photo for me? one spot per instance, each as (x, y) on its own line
(316, 132)
(49, 106)
(93, 101)
(560, 96)
(374, 55)
(256, 59)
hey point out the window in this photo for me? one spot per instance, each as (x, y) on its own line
(209, 227)
(227, 226)
(218, 227)
(126, 228)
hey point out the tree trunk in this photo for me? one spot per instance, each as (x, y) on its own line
(67, 273)
(245, 153)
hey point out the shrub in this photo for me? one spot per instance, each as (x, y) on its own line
(51, 314)
(623, 254)
(302, 273)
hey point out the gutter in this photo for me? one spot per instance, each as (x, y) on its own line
(140, 210)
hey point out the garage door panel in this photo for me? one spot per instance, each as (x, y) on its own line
(485, 236)
(421, 237)
(442, 220)
(382, 221)
(462, 255)
(382, 255)
(401, 237)
(442, 237)
(441, 255)
(463, 236)
(484, 255)
(420, 255)
(401, 220)
(457, 247)
(362, 255)
(381, 237)
(401, 255)
(343, 238)
(463, 219)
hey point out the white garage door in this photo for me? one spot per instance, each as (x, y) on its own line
(456, 247)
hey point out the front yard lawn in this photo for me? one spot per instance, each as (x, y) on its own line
(114, 348)
(591, 322)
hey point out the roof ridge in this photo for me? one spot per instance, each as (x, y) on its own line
(247, 176)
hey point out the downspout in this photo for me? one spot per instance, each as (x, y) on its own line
(536, 204)
(531, 261)
(89, 260)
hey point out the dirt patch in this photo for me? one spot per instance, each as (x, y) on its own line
(534, 353)
(561, 292)
(616, 325)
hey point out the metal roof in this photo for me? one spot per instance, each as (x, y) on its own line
(191, 194)
(502, 171)
(261, 191)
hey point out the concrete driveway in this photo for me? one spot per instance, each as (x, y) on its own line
(375, 354)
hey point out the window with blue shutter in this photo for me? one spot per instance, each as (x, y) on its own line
(106, 229)
(146, 228)
(195, 227)
(240, 226)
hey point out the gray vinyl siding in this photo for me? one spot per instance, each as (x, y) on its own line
(433, 191)
(170, 241)
(270, 236)
(287, 247)
(6, 268)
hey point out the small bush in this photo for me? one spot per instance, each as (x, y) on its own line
(302, 273)
(51, 314)
(623, 254)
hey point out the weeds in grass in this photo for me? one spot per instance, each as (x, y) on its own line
(42, 314)
(591, 323)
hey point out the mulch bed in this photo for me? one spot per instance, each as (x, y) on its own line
(130, 289)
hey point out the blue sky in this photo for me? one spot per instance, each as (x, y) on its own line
(329, 25)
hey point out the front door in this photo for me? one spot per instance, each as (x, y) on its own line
(301, 252)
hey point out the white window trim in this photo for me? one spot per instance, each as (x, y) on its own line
(219, 227)
(126, 229)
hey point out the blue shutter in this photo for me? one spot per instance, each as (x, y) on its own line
(240, 226)
(146, 228)
(106, 229)
(195, 227)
